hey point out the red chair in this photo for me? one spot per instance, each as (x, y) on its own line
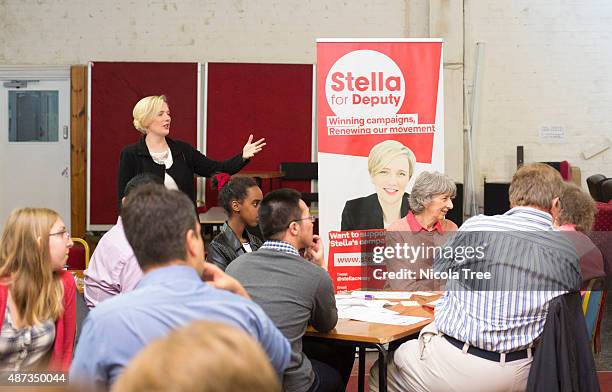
(603, 219)
(602, 237)
(563, 167)
(78, 255)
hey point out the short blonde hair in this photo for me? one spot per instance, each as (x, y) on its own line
(427, 186)
(576, 208)
(204, 357)
(535, 184)
(145, 110)
(36, 289)
(386, 151)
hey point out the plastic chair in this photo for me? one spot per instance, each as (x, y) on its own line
(592, 306)
(78, 256)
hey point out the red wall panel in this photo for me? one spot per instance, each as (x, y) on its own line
(269, 100)
(115, 89)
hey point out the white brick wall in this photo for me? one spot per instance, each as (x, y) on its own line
(545, 63)
(280, 31)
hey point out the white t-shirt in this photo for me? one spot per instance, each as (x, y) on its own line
(247, 247)
(165, 158)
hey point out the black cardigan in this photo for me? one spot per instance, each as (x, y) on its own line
(187, 162)
(366, 213)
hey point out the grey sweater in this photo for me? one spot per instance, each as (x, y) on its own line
(293, 292)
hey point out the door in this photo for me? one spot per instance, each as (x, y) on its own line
(35, 146)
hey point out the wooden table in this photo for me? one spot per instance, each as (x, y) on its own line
(373, 335)
(214, 218)
(260, 175)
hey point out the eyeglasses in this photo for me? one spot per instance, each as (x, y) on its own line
(65, 233)
(312, 218)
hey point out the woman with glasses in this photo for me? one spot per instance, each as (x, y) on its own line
(240, 198)
(37, 297)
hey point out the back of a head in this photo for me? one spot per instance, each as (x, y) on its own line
(535, 184)
(200, 357)
(156, 221)
(276, 211)
(140, 180)
(576, 208)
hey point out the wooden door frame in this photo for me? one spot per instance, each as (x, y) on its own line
(78, 149)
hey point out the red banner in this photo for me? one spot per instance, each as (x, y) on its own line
(380, 122)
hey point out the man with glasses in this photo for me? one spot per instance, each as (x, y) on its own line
(293, 290)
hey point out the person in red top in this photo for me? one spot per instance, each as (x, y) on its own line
(423, 227)
(574, 214)
(37, 297)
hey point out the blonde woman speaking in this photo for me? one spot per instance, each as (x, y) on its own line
(175, 161)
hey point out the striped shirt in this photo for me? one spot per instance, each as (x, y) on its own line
(530, 265)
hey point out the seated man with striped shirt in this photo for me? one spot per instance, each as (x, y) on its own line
(489, 326)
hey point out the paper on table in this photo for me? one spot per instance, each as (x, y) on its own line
(383, 294)
(353, 311)
(423, 293)
(371, 303)
(434, 303)
(381, 318)
(343, 296)
(410, 303)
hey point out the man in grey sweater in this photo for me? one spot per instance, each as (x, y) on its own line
(294, 291)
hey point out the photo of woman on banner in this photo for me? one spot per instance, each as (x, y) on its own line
(391, 165)
(422, 232)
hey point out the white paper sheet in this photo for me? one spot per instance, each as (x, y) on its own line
(350, 312)
(383, 294)
(410, 303)
(424, 293)
(370, 303)
(382, 318)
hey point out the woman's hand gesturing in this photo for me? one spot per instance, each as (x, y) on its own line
(250, 149)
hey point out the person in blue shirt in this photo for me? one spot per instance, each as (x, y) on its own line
(178, 287)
